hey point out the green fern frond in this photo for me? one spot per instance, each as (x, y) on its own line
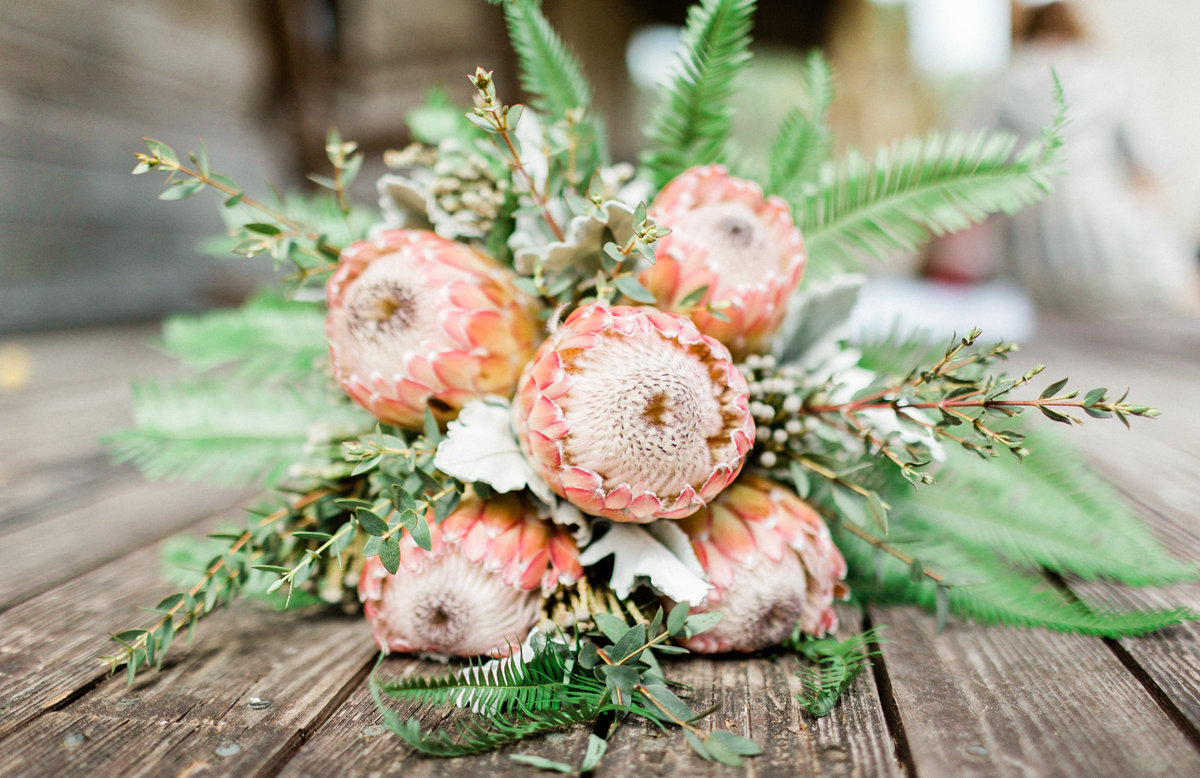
(987, 589)
(269, 337)
(803, 141)
(551, 74)
(923, 187)
(475, 734)
(504, 686)
(895, 352)
(693, 117)
(1049, 511)
(838, 663)
(231, 432)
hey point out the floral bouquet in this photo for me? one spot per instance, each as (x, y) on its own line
(568, 416)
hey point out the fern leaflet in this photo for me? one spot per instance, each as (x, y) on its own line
(231, 432)
(923, 187)
(268, 337)
(692, 121)
(804, 140)
(553, 76)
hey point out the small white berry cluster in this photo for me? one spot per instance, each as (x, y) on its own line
(774, 403)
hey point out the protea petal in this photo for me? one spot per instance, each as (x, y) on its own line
(478, 590)
(726, 236)
(633, 414)
(772, 564)
(419, 321)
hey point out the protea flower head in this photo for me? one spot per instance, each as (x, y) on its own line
(419, 321)
(772, 565)
(726, 236)
(632, 414)
(478, 590)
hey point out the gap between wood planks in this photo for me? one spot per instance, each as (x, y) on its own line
(889, 703)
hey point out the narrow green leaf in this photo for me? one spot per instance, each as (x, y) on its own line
(677, 618)
(633, 639)
(701, 622)
(595, 752)
(633, 289)
(739, 745)
(421, 534)
(612, 626)
(542, 763)
(1053, 389)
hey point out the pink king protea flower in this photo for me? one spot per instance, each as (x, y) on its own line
(419, 321)
(478, 590)
(632, 414)
(725, 236)
(772, 565)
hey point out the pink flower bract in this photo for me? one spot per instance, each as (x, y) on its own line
(726, 236)
(772, 564)
(632, 414)
(419, 321)
(478, 590)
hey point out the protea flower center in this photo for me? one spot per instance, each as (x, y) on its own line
(419, 322)
(478, 589)
(386, 316)
(452, 606)
(632, 414)
(762, 605)
(739, 246)
(645, 411)
(772, 565)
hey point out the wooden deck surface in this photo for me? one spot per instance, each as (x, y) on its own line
(79, 556)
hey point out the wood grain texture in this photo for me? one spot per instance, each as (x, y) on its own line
(1157, 467)
(756, 699)
(50, 645)
(210, 700)
(998, 701)
(55, 484)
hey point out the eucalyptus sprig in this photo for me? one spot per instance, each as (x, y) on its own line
(284, 238)
(221, 581)
(562, 681)
(959, 388)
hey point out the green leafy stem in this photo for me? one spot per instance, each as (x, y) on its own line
(149, 646)
(497, 120)
(263, 237)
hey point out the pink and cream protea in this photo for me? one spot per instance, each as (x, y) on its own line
(772, 565)
(478, 590)
(726, 236)
(633, 414)
(418, 321)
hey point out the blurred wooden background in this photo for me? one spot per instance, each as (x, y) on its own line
(260, 82)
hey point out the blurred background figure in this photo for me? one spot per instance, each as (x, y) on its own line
(1101, 243)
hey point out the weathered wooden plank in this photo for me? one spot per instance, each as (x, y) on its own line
(756, 699)
(354, 736)
(1165, 380)
(1001, 701)
(55, 549)
(240, 699)
(49, 644)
